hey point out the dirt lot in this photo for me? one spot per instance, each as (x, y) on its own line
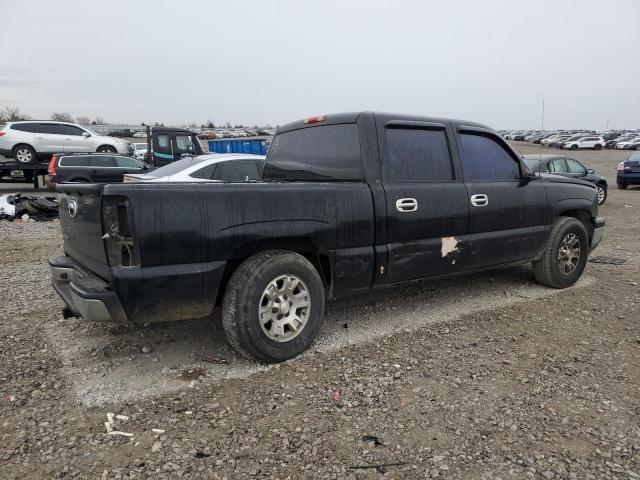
(489, 376)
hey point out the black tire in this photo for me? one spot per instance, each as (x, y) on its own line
(622, 186)
(245, 293)
(597, 146)
(106, 149)
(25, 154)
(546, 269)
(574, 147)
(604, 189)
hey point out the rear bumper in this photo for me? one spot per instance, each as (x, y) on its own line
(85, 294)
(598, 231)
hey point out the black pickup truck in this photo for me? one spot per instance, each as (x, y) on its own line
(349, 202)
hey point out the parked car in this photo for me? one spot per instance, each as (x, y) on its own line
(348, 203)
(33, 141)
(567, 167)
(595, 143)
(204, 168)
(628, 144)
(140, 151)
(91, 168)
(622, 138)
(629, 171)
(140, 134)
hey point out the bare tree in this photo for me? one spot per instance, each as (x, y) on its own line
(98, 121)
(83, 120)
(227, 124)
(62, 117)
(210, 124)
(12, 114)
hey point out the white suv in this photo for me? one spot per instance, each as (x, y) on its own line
(30, 141)
(585, 142)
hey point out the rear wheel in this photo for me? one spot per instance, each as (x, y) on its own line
(273, 306)
(602, 193)
(597, 146)
(106, 149)
(622, 186)
(565, 254)
(24, 154)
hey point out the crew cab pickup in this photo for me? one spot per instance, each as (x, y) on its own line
(348, 203)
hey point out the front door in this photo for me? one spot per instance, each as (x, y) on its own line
(162, 149)
(75, 141)
(427, 204)
(48, 138)
(508, 208)
(103, 169)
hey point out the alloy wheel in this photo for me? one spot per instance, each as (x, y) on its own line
(285, 306)
(569, 253)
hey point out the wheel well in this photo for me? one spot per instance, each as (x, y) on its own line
(320, 260)
(80, 179)
(582, 215)
(13, 150)
(108, 146)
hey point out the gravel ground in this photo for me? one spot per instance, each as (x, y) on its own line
(488, 376)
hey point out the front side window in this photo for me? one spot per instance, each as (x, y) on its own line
(484, 159)
(575, 167)
(418, 155)
(558, 166)
(126, 162)
(184, 143)
(71, 130)
(318, 153)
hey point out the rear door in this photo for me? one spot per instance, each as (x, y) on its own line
(426, 201)
(104, 169)
(74, 141)
(49, 138)
(508, 209)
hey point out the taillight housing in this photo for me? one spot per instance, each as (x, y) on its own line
(52, 165)
(118, 232)
(621, 166)
(2, 133)
(316, 119)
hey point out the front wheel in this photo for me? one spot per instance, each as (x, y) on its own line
(565, 254)
(574, 147)
(597, 146)
(602, 193)
(273, 306)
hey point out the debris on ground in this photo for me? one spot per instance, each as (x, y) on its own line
(372, 438)
(608, 260)
(16, 205)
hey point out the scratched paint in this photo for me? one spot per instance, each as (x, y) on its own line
(449, 245)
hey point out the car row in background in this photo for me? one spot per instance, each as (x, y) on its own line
(567, 167)
(113, 168)
(578, 139)
(203, 133)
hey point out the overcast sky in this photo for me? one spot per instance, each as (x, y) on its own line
(259, 61)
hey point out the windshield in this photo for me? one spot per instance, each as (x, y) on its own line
(91, 131)
(176, 167)
(531, 163)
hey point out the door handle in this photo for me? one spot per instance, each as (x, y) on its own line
(94, 171)
(479, 200)
(406, 205)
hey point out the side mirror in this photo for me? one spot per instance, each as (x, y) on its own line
(591, 170)
(86, 134)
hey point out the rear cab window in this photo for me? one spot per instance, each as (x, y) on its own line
(318, 153)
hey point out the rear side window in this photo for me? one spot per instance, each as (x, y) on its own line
(236, 171)
(206, 172)
(328, 152)
(51, 128)
(418, 155)
(25, 127)
(558, 166)
(163, 141)
(103, 161)
(484, 159)
(74, 161)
